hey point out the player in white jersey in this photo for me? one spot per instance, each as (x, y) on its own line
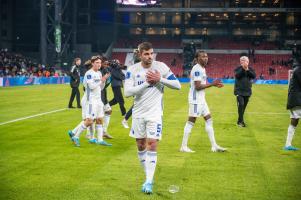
(197, 102)
(144, 81)
(93, 83)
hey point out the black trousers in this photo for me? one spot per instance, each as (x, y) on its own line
(118, 98)
(75, 91)
(242, 102)
(129, 113)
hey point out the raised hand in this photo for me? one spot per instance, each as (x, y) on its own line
(105, 77)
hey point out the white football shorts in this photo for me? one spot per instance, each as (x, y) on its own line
(93, 110)
(142, 128)
(197, 110)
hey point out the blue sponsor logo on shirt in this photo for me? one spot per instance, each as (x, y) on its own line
(128, 75)
(197, 73)
(140, 82)
(89, 76)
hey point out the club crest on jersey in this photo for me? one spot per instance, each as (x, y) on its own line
(89, 76)
(128, 75)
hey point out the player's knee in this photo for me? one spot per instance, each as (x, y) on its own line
(152, 145)
(192, 119)
(88, 122)
(108, 112)
(294, 122)
(99, 121)
(141, 146)
(208, 118)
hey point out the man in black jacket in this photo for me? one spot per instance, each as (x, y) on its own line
(117, 76)
(294, 105)
(243, 87)
(74, 83)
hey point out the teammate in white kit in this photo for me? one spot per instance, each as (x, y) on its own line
(93, 108)
(197, 102)
(145, 81)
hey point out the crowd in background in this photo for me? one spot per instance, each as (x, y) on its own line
(16, 65)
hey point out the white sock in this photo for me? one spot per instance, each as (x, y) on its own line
(99, 131)
(290, 134)
(142, 157)
(187, 130)
(80, 129)
(76, 128)
(150, 165)
(106, 121)
(90, 131)
(210, 131)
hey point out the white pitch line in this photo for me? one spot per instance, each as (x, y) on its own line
(257, 113)
(32, 116)
(246, 113)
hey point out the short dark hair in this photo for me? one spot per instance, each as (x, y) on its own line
(75, 60)
(199, 52)
(144, 46)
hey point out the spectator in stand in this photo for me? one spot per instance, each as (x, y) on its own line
(12, 64)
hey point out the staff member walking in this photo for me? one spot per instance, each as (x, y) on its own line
(74, 83)
(243, 87)
(294, 104)
(117, 77)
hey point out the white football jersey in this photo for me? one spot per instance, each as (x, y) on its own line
(93, 85)
(148, 104)
(198, 73)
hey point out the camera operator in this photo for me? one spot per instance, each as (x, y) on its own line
(117, 76)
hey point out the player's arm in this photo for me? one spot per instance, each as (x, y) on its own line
(103, 80)
(170, 81)
(215, 83)
(239, 72)
(168, 78)
(251, 73)
(130, 89)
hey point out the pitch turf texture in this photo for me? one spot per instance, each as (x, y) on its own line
(38, 160)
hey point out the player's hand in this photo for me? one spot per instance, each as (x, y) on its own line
(153, 77)
(105, 77)
(245, 67)
(217, 83)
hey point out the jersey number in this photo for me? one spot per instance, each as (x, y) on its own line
(159, 128)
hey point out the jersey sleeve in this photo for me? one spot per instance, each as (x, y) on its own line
(197, 75)
(169, 79)
(91, 83)
(130, 89)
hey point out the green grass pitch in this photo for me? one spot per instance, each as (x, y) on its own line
(38, 161)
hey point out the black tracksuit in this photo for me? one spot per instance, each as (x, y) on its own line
(74, 83)
(243, 89)
(104, 97)
(117, 77)
(294, 90)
